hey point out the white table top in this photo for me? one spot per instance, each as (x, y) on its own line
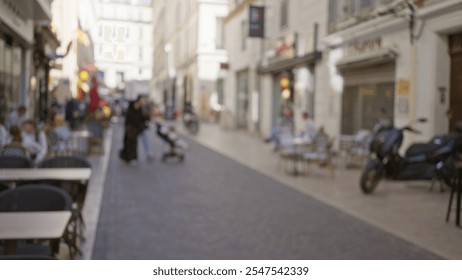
(80, 133)
(25, 174)
(33, 225)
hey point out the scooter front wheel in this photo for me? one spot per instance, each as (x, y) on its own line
(370, 179)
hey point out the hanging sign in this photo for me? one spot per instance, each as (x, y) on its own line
(256, 22)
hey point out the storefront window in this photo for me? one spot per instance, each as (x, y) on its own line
(364, 105)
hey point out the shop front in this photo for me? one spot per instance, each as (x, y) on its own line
(292, 79)
(455, 106)
(368, 96)
(11, 53)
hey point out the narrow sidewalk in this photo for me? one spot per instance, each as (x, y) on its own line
(407, 210)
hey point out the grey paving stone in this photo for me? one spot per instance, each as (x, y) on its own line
(211, 207)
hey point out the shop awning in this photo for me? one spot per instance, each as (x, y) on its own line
(290, 63)
(367, 59)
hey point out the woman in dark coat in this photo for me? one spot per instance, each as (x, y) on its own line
(134, 124)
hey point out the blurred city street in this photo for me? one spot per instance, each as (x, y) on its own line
(213, 207)
(231, 129)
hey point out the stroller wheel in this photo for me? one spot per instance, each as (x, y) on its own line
(181, 158)
(164, 157)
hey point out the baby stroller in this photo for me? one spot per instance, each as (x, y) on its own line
(176, 150)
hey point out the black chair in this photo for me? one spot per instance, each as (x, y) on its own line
(13, 150)
(3, 187)
(65, 162)
(40, 197)
(15, 162)
(77, 190)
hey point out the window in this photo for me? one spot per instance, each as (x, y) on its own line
(120, 78)
(365, 4)
(219, 33)
(333, 11)
(284, 13)
(243, 35)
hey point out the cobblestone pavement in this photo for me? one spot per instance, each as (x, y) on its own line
(211, 207)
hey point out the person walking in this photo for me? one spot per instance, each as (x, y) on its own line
(71, 112)
(134, 124)
(144, 135)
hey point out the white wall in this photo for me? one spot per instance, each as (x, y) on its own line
(434, 67)
(123, 41)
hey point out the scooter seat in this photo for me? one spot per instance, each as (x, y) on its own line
(422, 149)
(430, 149)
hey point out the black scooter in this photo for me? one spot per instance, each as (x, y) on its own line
(418, 163)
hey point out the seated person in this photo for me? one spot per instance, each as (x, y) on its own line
(34, 140)
(309, 127)
(57, 133)
(14, 147)
(286, 122)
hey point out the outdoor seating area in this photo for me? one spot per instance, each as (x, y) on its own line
(297, 153)
(41, 207)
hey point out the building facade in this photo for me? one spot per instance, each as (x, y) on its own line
(122, 37)
(278, 72)
(188, 52)
(396, 60)
(25, 42)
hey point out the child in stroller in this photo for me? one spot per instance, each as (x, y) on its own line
(168, 134)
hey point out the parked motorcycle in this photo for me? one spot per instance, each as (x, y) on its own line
(418, 163)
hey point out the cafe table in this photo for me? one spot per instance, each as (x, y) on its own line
(13, 175)
(44, 225)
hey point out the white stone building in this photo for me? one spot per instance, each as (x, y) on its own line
(121, 31)
(378, 60)
(188, 52)
(279, 71)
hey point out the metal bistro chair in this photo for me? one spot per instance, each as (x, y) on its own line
(321, 153)
(358, 152)
(286, 148)
(76, 190)
(13, 150)
(3, 187)
(38, 197)
(15, 162)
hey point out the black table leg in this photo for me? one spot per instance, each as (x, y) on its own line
(453, 190)
(459, 191)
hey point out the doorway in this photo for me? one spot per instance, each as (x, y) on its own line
(455, 105)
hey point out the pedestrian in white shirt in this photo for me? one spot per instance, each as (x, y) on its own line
(34, 140)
